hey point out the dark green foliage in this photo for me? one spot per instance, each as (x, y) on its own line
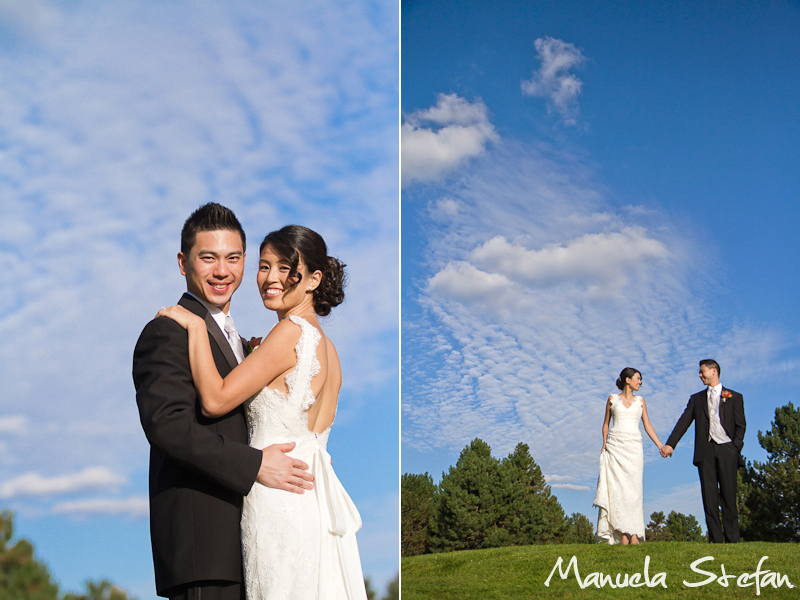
(484, 503)
(527, 513)
(465, 519)
(22, 577)
(684, 528)
(676, 527)
(580, 530)
(656, 530)
(770, 494)
(417, 505)
(102, 590)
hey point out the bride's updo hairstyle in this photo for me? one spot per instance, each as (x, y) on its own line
(626, 372)
(295, 242)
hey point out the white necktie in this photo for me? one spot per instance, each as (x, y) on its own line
(233, 338)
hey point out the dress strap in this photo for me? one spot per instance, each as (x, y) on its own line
(298, 382)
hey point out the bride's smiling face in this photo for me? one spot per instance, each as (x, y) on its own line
(635, 382)
(280, 291)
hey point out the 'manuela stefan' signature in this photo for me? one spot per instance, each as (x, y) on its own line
(758, 578)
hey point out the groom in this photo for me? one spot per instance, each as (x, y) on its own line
(719, 425)
(200, 468)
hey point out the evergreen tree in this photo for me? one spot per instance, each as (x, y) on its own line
(656, 530)
(683, 528)
(101, 590)
(772, 502)
(485, 503)
(580, 530)
(22, 577)
(527, 513)
(418, 496)
(466, 512)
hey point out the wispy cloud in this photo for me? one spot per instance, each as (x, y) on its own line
(553, 80)
(34, 484)
(134, 507)
(13, 424)
(456, 131)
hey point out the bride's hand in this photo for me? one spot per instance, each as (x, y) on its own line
(180, 315)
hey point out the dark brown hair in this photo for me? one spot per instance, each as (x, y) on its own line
(294, 242)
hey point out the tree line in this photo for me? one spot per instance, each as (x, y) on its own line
(484, 502)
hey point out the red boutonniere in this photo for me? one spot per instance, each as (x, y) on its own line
(254, 343)
(726, 394)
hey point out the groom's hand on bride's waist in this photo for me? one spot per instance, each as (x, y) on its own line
(283, 472)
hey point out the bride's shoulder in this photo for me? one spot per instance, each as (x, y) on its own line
(613, 398)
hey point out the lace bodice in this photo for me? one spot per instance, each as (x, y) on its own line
(626, 419)
(299, 546)
(274, 416)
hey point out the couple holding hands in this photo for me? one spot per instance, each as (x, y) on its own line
(718, 415)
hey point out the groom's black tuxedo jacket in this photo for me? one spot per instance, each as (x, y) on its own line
(731, 415)
(200, 468)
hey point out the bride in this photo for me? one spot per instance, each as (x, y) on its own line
(619, 486)
(294, 545)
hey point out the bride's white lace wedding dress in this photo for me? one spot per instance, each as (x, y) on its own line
(619, 486)
(299, 546)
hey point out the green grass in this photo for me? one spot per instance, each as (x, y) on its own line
(521, 571)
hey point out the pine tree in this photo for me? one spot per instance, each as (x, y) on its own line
(466, 511)
(527, 513)
(772, 502)
(418, 495)
(22, 577)
(486, 503)
(683, 528)
(580, 530)
(656, 530)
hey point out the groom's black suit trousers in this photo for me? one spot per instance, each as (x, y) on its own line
(718, 483)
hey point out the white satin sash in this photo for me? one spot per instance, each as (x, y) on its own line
(340, 517)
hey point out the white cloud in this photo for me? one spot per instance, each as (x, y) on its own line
(571, 487)
(34, 484)
(605, 259)
(429, 154)
(13, 424)
(553, 79)
(134, 507)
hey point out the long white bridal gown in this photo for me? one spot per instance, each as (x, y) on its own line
(299, 546)
(619, 486)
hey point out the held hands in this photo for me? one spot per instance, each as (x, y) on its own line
(666, 451)
(283, 472)
(180, 315)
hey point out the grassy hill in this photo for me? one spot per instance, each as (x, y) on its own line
(521, 572)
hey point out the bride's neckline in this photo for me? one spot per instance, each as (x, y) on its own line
(622, 399)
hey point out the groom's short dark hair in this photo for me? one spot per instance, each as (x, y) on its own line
(711, 364)
(209, 217)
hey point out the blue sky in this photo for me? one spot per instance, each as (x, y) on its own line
(589, 186)
(117, 121)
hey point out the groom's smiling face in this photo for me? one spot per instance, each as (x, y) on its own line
(214, 266)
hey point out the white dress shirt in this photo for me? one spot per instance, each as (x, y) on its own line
(715, 430)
